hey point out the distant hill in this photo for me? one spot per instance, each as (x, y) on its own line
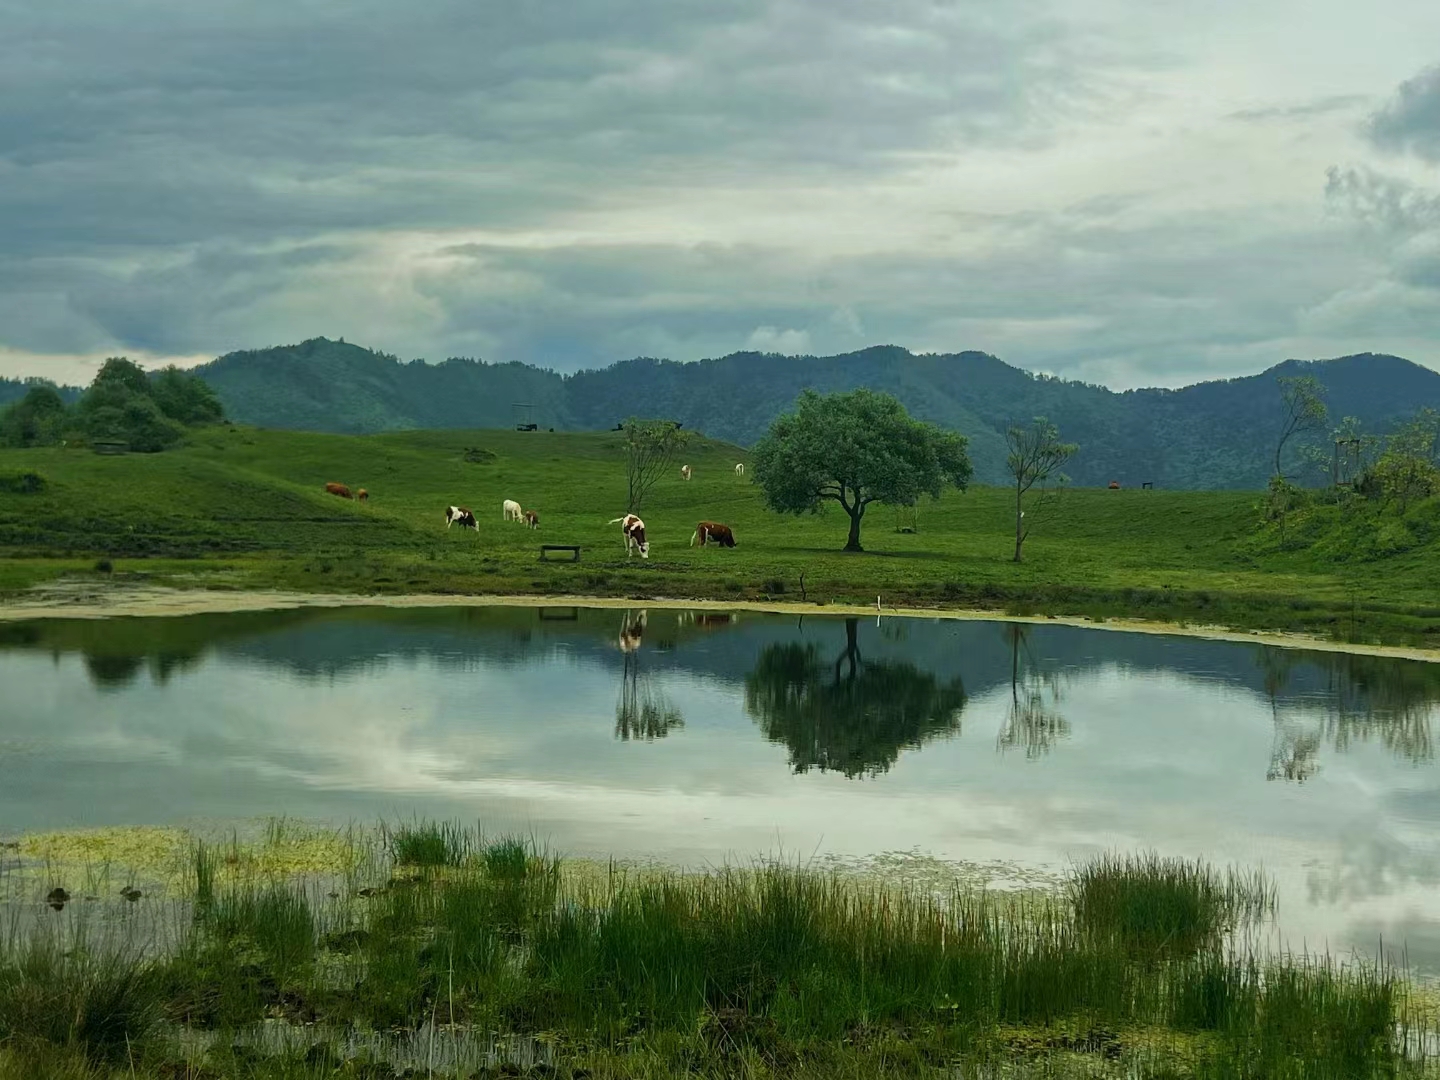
(1210, 435)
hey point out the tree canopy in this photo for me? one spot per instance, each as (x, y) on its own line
(122, 404)
(855, 449)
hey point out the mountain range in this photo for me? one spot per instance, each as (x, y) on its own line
(1218, 434)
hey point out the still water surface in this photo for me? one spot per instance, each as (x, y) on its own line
(699, 737)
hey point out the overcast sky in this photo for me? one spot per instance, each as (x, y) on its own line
(1127, 192)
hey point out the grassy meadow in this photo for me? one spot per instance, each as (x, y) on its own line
(430, 949)
(242, 508)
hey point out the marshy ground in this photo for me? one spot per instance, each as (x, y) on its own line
(429, 949)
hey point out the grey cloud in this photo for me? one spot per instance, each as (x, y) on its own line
(1410, 121)
(1381, 201)
(173, 123)
(1304, 110)
(1137, 301)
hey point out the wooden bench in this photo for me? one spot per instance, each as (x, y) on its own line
(573, 548)
(1147, 485)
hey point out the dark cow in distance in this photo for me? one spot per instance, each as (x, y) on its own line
(363, 495)
(338, 489)
(712, 532)
(459, 515)
(532, 519)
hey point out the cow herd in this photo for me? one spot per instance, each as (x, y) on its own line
(632, 528)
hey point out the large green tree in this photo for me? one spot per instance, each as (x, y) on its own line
(855, 449)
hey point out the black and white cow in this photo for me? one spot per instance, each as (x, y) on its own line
(634, 530)
(459, 515)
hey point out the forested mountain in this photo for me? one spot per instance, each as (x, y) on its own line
(1210, 435)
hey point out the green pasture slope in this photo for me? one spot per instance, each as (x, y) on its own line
(244, 508)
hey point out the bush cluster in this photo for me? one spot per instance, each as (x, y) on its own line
(123, 404)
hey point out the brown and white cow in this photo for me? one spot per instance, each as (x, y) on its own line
(684, 472)
(460, 515)
(712, 532)
(363, 495)
(634, 530)
(338, 489)
(532, 519)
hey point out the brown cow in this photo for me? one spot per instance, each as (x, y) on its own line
(713, 531)
(338, 489)
(1114, 485)
(363, 495)
(532, 519)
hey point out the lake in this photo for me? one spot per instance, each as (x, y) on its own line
(697, 737)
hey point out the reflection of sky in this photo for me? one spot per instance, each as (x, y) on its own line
(1172, 759)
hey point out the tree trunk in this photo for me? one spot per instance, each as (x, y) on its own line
(1019, 523)
(853, 544)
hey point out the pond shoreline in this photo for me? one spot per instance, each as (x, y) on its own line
(103, 601)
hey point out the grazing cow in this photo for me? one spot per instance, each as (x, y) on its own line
(739, 468)
(713, 532)
(338, 489)
(459, 515)
(634, 530)
(1114, 485)
(511, 510)
(532, 519)
(684, 472)
(363, 495)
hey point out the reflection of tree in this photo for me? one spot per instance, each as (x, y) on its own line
(1363, 699)
(1033, 722)
(851, 716)
(641, 711)
(111, 672)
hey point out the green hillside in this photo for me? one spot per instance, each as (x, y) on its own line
(246, 508)
(1214, 435)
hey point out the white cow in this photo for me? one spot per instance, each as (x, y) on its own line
(512, 511)
(739, 468)
(684, 472)
(634, 530)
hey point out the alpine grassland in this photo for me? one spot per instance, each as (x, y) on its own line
(242, 508)
(430, 949)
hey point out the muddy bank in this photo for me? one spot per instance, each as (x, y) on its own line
(94, 600)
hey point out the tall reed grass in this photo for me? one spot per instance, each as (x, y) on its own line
(770, 970)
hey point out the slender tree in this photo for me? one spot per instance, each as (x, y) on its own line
(855, 449)
(1036, 454)
(650, 450)
(1303, 407)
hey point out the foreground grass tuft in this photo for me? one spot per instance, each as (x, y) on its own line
(453, 954)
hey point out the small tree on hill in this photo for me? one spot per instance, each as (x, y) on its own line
(1036, 454)
(1303, 401)
(651, 447)
(854, 449)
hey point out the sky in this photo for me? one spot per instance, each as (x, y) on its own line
(1127, 193)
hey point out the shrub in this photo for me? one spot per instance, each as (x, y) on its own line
(25, 483)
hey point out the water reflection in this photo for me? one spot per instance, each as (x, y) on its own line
(700, 735)
(642, 711)
(1034, 723)
(848, 715)
(1357, 699)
